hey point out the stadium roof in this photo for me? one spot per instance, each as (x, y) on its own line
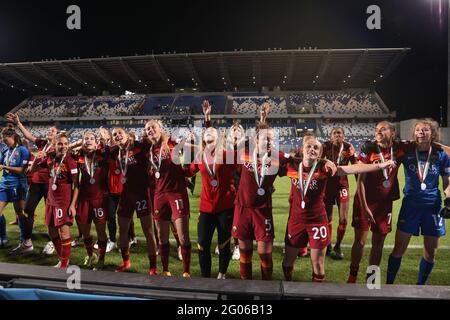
(302, 69)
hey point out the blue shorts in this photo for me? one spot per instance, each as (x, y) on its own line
(13, 194)
(425, 218)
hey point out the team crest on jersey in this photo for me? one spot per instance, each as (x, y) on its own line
(434, 158)
(375, 158)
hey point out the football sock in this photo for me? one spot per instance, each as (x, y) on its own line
(288, 272)
(393, 267)
(57, 244)
(186, 255)
(266, 266)
(341, 232)
(152, 261)
(102, 249)
(164, 251)
(425, 269)
(66, 247)
(88, 244)
(353, 274)
(245, 263)
(125, 251)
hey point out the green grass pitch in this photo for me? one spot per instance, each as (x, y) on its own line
(336, 271)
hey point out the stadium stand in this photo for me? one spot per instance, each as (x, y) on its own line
(249, 105)
(350, 129)
(159, 105)
(363, 103)
(83, 106)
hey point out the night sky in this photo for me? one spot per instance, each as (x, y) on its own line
(35, 30)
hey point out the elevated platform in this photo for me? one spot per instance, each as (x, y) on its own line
(158, 287)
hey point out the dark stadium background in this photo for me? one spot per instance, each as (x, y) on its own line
(36, 30)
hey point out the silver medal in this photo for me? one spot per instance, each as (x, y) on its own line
(124, 180)
(386, 184)
(261, 191)
(54, 187)
(214, 183)
(303, 204)
(92, 181)
(157, 175)
(423, 186)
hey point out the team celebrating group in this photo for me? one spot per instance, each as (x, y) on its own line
(80, 181)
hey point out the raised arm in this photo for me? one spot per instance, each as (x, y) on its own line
(207, 112)
(264, 112)
(14, 118)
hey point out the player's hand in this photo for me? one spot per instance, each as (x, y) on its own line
(41, 155)
(104, 134)
(369, 215)
(72, 211)
(206, 108)
(330, 167)
(388, 164)
(1, 167)
(13, 117)
(445, 211)
(264, 111)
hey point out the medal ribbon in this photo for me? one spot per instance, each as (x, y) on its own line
(122, 169)
(423, 172)
(385, 171)
(255, 168)
(212, 173)
(9, 157)
(338, 160)
(304, 186)
(159, 159)
(90, 168)
(55, 174)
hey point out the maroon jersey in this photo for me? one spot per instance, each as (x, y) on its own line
(247, 195)
(115, 185)
(370, 153)
(137, 166)
(171, 175)
(41, 175)
(217, 198)
(67, 173)
(331, 152)
(314, 211)
(99, 188)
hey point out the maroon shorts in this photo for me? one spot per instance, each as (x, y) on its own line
(382, 213)
(92, 210)
(253, 224)
(170, 206)
(336, 192)
(57, 216)
(299, 234)
(137, 201)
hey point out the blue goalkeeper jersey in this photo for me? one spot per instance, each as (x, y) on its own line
(13, 157)
(439, 166)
